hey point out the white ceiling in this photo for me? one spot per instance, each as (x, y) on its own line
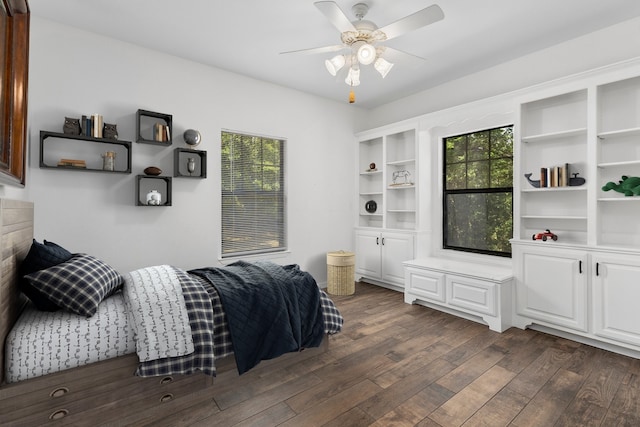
(247, 36)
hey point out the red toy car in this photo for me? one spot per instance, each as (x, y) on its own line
(546, 234)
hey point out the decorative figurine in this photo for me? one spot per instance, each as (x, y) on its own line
(110, 131)
(401, 174)
(109, 161)
(628, 185)
(546, 234)
(191, 165)
(152, 171)
(154, 198)
(192, 137)
(71, 126)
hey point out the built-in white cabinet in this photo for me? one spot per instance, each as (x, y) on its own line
(379, 256)
(387, 185)
(587, 282)
(481, 292)
(551, 286)
(616, 292)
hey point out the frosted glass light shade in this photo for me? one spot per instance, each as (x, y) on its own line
(353, 78)
(366, 54)
(334, 64)
(383, 66)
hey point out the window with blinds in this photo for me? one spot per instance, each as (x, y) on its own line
(253, 195)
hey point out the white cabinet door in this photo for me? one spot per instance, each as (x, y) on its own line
(616, 293)
(368, 254)
(396, 248)
(551, 285)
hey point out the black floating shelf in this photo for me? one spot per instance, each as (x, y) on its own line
(145, 121)
(164, 189)
(180, 159)
(44, 135)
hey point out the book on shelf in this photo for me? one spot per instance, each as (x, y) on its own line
(554, 176)
(161, 132)
(72, 163)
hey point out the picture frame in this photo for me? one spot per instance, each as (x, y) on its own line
(14, 76)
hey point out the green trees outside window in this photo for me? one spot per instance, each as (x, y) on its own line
(478, 191)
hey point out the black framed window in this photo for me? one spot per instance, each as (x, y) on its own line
(478, 191)
(253, 195)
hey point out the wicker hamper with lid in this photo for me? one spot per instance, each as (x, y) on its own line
(341, 273)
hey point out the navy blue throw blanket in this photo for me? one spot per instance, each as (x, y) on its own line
(271, 309)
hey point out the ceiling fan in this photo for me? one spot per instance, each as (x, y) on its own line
(362, 39)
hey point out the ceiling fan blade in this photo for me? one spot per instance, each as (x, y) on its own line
(315, 50)
(335, 15)
(396, 55)
(412, 22)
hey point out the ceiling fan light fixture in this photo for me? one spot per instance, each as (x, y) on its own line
(383, 66)
(353, 78)
(335, 64)
(366, 54)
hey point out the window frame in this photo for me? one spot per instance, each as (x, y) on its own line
(486, 191)
(283, 234)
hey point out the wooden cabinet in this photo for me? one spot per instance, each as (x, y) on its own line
(551, 286)
(380, 254)
(475, 291)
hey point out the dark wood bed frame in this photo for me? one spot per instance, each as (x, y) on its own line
(105, 392)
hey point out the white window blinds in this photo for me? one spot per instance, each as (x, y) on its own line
(253, 195)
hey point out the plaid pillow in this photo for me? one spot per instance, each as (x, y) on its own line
(77, 285)
(41, 256)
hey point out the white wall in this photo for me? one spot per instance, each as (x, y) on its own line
(609, 45)
(74, 73)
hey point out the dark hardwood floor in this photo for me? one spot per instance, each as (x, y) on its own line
(396, 364)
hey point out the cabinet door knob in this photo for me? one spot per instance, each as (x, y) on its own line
(377, 240)
(580, 266)
(597, 268)
(383, 241)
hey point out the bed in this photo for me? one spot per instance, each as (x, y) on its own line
(114, 363)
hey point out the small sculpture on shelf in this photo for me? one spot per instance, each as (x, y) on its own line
(71, 126)
(152, 171)
(628, 185)
(110, 131)
(192, 137)
(154, 198)
(109, 161)
(191, 165)
(401, 174)
(545, 235)
(372, 167)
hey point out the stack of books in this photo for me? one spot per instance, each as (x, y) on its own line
(161, 132)
(72, 163)
(555, 176)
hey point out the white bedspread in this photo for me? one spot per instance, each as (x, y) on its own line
(43, 342)
(157, 313)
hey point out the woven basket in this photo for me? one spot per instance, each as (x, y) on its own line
(341, 273)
